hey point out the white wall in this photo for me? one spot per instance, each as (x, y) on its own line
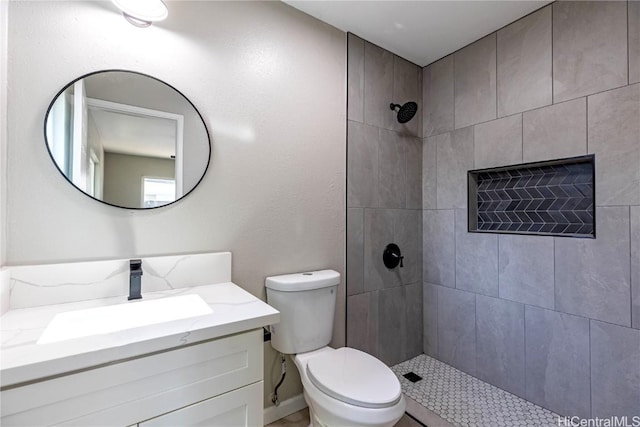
(4, 277)
(123, 175)
(270, 84)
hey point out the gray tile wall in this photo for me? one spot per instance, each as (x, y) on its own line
(524, 64)
(439, 247)
(555, 132)
(635, 266)
(454, 157)
(437, 86)
(430, 319)
(500, 343)
(474, 80)
(476, 258)
(615, 382)
(589, 47)
(526, 269)
(555, 320)
(593, 275)
(634, 41)
(557, 361)
(613, 133)
(498, 142)
(384, 204)
(457, 329)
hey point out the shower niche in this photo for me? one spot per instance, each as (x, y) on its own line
(553, 197)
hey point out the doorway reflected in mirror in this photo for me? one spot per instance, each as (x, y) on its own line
(127, 139)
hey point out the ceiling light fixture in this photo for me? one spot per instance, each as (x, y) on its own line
(142, 13)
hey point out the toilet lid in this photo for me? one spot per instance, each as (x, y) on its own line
(354, 377)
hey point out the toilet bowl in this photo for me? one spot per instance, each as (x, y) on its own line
(343, 387)
(349, 388)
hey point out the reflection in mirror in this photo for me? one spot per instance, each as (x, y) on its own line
(127, 139)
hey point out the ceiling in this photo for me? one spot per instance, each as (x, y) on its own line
(420, 31)
(135, 135)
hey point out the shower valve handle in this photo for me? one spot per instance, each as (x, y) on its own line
(392, 256)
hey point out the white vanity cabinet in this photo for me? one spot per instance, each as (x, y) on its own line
(212, 383)
(234, 408)
(70, 359)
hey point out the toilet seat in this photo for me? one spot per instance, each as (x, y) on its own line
(354, 377)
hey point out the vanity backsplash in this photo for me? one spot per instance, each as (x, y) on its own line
(4, 290)
(37, 285)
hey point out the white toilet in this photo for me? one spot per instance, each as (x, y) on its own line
(343, 387)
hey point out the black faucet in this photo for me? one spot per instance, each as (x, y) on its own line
(135, 279)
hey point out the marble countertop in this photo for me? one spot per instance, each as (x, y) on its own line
(23, 360)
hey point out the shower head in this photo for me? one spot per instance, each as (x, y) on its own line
(406, 111)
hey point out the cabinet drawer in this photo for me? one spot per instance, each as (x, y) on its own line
(125, 393)
(238, 408)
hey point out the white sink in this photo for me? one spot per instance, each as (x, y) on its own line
(113, 318)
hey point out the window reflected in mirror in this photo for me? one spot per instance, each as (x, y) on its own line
(157, 191)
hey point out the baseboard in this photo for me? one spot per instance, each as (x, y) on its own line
(288, 407)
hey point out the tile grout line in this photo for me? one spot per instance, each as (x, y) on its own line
(554, 272)
(455, 250)
(364, 80)
(364, 63)
(437, 322)
(537, 108)
(498, 239)
(376, 199)
(564, 313)
(631, 317)
(363, 252)
(552, 79)
(590, 374)
(524, 320)
(522, 136)
(436, 163)
(453, 78)
(496, 33)
(586, 132)
(475, 333)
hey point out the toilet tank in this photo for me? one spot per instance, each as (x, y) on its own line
(306, 302)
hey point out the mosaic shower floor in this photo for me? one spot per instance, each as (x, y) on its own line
(466, 401)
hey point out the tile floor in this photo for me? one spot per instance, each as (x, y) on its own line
(301, 419)
(465, 401)
(297, 419)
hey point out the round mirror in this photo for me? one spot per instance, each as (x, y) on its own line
(127, 139)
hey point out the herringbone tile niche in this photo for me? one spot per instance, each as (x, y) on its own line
(549, 198)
